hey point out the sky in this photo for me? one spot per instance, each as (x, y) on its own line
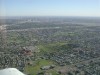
(50, 8)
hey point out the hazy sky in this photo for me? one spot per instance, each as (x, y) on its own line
(49, 7)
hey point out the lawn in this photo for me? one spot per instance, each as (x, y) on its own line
(33, 70)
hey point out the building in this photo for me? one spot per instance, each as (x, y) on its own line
(29, 50)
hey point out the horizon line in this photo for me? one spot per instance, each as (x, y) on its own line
(49, 16)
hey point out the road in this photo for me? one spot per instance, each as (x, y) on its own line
(72, 67)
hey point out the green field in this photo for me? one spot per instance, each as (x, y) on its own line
(33, 70)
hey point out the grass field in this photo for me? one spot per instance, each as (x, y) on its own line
(33, 70)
